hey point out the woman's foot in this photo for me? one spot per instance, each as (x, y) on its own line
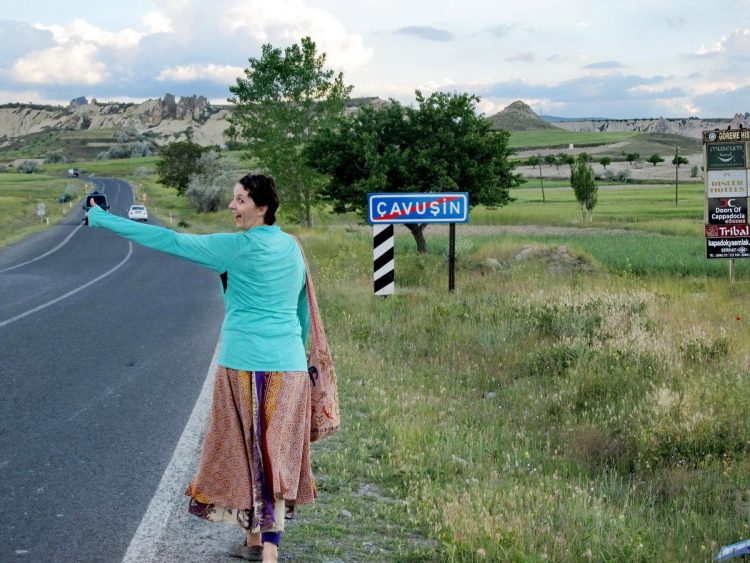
(247, 552)
(270, 552)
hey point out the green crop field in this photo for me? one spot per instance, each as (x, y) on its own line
(562, 138)
(581, 396)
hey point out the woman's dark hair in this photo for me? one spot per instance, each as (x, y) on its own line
(263, 191)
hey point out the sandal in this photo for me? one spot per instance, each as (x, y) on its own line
(247, 552)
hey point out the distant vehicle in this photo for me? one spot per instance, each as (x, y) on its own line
(138, 213)
(73, 172)
(99, 198)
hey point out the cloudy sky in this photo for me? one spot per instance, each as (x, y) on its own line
(571, 58)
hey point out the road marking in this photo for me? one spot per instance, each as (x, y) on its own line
(71, 292)
(58, 247)
(174, 481)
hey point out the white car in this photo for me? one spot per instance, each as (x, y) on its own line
(137, 213)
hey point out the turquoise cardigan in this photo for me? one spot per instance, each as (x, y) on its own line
(266, 311)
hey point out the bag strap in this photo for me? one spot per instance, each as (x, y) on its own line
(316, 324)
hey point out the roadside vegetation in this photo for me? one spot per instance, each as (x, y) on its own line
(579, 397)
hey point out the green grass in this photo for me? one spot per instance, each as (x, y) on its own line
(533, 414)
(19, 196)
(643, 207)
(561, 138)
(580, 396)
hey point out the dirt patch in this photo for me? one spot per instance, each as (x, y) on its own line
(557, 259)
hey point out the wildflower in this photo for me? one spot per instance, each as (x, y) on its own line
(737, 318)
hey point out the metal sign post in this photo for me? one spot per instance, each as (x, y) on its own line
(395, 208)
(452, 257)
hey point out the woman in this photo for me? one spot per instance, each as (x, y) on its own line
(256, 453)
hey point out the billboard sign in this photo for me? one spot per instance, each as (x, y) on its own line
(727, 210)
(726, 183)
(728, 247)
(725, 155)
(728, 231)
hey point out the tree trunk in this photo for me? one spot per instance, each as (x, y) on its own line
(417, 231)
(308, 207)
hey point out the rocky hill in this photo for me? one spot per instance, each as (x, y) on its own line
(688, 127)
(167, 118)
(518, 116)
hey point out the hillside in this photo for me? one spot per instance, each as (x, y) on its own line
(83, 129)
(166, 118)
(518, 117)
(687, 127)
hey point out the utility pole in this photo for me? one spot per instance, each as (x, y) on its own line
(541, 181)
(676, 168)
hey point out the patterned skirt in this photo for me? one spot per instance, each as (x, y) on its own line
(256, 453)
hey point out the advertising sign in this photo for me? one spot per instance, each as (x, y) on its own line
(450, 207)
(726, 183)
(727, 210)
(728, 247)
(730, 231)
(725, 135)
(725, 155)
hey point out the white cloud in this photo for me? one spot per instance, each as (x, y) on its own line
(287, 21)
(718, 87)
(75, 64)
(737, 42)
(488, 108)
(79, 31)
(186, 73)
(155, 22)
(31, 96)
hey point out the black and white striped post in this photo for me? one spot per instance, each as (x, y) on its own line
(383, 259)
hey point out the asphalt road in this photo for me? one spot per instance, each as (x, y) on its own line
(104, 348)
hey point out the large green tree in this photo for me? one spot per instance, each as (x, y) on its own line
(178, 162)
(439, 145)
(284, 98)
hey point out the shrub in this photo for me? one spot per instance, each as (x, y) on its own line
(208, 189)
(143, 171)
(53, 157)
(694, 172)
(127, 150)
(28, 167)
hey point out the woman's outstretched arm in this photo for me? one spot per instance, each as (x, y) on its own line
(211, 251)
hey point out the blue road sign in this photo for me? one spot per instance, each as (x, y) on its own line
(447, 207)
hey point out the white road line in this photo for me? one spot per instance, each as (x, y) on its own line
(72, 292)
(58, 247)
(174, 481)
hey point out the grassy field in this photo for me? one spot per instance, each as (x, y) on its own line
(623, 142)
(20, 194)
(579, 397)
(561, 138)
(73, 145)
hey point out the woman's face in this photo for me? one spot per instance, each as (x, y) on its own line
(246, 214)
